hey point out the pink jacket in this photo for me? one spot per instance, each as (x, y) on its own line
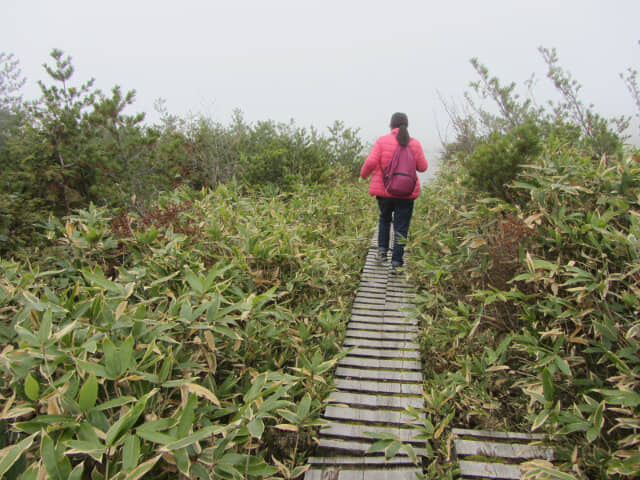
(380, 156)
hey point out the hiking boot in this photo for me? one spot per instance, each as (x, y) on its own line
(382, 255)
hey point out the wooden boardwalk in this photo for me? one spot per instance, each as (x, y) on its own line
(377, 380)
(379, 377)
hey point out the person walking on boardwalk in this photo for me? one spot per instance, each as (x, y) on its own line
(393, 208)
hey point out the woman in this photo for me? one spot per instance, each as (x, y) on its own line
(398, 209)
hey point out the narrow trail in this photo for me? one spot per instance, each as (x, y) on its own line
(375, 382)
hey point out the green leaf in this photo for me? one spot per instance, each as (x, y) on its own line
(94, 449)
(256, 427)
(562, 365)
(182, 461)
(392, 449)
(77, 472)
(547, 385)
(129, 419)
(45, 327)
(9, 455)
(155, 436)
(116, 402)
(88, 393)
(411, 453)
(130, 452)
(57, 464)
(193, 438)
(188, 416)
(593, 433)
(141, 469)
(31, 388)
(303, 408)
(540, 419)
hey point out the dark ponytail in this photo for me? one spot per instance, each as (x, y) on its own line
(401, 122)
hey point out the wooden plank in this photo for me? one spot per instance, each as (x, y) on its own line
(501, 435)
(489, 470)
(399, 305)
(375, 401)
(377, 318)
(365, 362)
(391, 474)
(384, 353)
(377, 327)
(380, 335)
(333, 473)
(355, 446)
(364, 415)
(382, 375)
(384, 295)
(390, 317)
(353, 461)
(378, 387)
(378, 300)
(369, 306)
(348, 430)
(502, 450)
(396, 345)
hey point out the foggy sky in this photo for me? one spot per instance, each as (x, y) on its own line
(320, 61)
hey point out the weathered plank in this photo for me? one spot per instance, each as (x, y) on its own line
(334, 473)
(379, 300)
(350, 361)
(375, 317)
(344, 445)
(384, 353)
(382, 375)
(375, 401)
(348, 430)
(377, 327)
(489, 470)
(373, 460)
(498, 435)
(502, 450)
(380, 334)
(379, 387)
(364, 415)
(393, 344)
(369, 306)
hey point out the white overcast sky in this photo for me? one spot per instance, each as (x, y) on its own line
(319, 61)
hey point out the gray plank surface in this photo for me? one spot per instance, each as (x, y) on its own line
(373, 460)
(503, 450)
(382, 375)
(504, 435)
(350, 361)
(395, 417)
(385, 353)
(392, 344)
(375, 401)
(375, 317)
(408, 328)
(355, 446)
(373, 474)
(379, 387)
(489, 470)
(379, 335)
(348, 430)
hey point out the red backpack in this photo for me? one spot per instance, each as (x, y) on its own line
(400, 173)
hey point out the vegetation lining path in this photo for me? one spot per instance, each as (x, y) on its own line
(379, 377)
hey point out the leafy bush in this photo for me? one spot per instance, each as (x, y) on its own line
(530, 309)
(497, 161)
(196, 339)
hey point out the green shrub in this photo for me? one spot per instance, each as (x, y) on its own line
(497, 161)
